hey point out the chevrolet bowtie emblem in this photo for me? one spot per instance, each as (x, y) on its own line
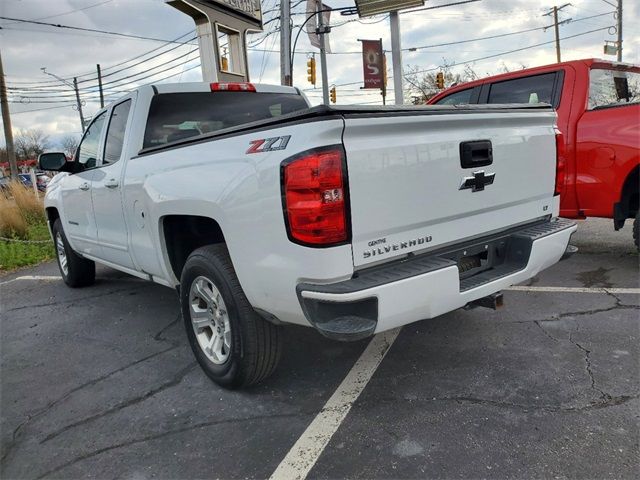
(478, 181)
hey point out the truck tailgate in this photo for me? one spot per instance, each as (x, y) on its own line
(407, 181)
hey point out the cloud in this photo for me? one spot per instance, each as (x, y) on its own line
(27, 48)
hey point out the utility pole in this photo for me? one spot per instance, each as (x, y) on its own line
(100, 86)
(78, 102)
(6, 120)
(322, 30)
(396, 55)
(619, 15)
(285, 43)
(556, 25)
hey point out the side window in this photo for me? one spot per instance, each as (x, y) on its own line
(115, 132)
(613, 88)
(535, 89)
(87, 155)
(459, 98)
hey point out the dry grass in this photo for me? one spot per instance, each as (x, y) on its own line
(29, 204)
(12, 223)
(19, 207)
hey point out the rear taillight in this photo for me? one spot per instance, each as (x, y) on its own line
(561, 162)
(232, 87)
(314, 191)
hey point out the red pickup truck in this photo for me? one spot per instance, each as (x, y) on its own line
(599, 117)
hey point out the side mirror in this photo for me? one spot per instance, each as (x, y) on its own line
(52, 161)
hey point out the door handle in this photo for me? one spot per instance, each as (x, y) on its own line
(111, 183)
(84, 186)
(476, 154)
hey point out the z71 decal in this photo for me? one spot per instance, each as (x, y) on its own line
(269, 144)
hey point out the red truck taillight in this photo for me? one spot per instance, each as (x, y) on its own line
(561, 162)
(314, 194)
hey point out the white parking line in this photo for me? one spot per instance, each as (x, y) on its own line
(518, 288)
(33, 277)
(306, 451)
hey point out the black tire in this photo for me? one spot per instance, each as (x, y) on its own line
(636, 230)
(255, 344)
(79, 272)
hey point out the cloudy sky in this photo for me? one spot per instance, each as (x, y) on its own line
(39, 101)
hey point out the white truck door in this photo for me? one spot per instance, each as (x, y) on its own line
(106, 191)
(77, 208)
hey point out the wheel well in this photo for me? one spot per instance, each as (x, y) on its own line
(629, 199)
(52, 215)
(185, 233)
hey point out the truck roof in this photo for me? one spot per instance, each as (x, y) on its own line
(206, 87)
(585, 63)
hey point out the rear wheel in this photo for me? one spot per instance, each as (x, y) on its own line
(234, 345)
(75, 270)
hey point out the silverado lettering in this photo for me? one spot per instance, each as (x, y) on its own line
(396, 246)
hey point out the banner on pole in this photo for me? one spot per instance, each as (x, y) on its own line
(372, 63)
(312, 25)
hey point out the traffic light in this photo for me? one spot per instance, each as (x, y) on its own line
(440, 80)
(332, 94)
(311, 71)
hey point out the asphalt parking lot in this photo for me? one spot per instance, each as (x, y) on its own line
(100, 383)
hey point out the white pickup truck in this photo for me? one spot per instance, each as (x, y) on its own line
(261, 211)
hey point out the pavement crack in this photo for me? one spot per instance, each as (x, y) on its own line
(470, 399)
(159, 435)
(603, 403)
(547, 334)
(122, 405)
(619, 303)
(588, 366)
(18, 430)
(68, 302)
(580, 313)
(158, 337)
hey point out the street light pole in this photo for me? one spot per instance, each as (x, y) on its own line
(322, 31)
(73, 85)
(396, 54)
(285, 43)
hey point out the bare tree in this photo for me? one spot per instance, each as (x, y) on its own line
(69, 145)
(31, 143)
(421, 86)
(505, 69)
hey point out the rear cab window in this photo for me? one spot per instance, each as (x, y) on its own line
(533, 89)
(462, 97)
(178, 116)
(613, 88)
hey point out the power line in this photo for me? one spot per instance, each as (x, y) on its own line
(67, 94)
(70, 11)
(485, 57)
(94, 97)
(57, 25)
(43, 108)
(47, 83)
(517, 49)
(411, 49)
